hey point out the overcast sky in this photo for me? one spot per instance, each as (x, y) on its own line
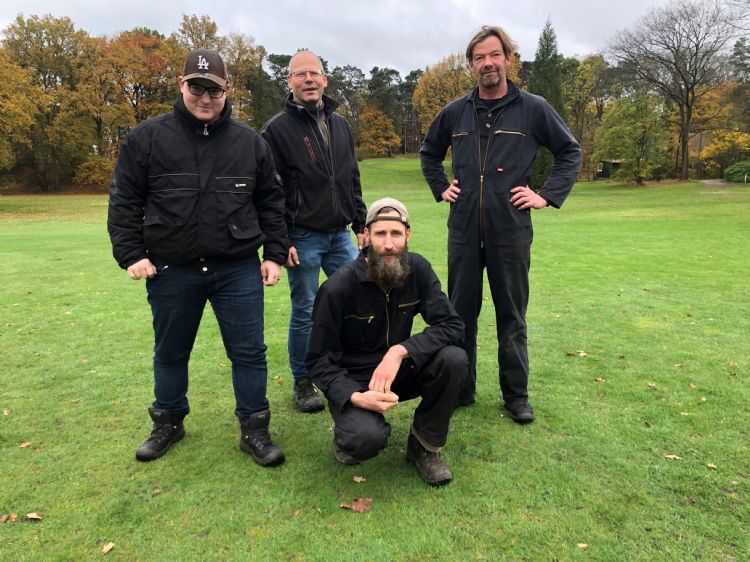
(400, 34)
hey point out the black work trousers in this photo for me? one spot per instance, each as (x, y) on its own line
(364, 433)
(508, 276)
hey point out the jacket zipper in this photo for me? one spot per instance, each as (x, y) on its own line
(329, 170)
(368, 318)
(297, 204)
(482, 164)
(387, 318)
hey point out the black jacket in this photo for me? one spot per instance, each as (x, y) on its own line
(323, 190)
(355, 323)
(483, 208)
(184, 190)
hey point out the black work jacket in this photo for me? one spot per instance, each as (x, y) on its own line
(323, 190)
(520, 124)
(184, 189)
(355, 322)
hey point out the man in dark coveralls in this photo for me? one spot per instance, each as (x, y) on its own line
(362, 354)
(193, 197)
(494, 132)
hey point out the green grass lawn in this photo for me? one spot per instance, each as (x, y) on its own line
(638, 337)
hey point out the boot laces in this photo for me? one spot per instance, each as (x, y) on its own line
(162, 432)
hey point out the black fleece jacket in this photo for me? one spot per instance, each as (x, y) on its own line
(322, 186)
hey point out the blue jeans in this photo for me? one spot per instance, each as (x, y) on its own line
(178, 295)
(329, 250)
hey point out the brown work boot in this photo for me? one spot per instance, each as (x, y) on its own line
(342, 456)
(431, 467)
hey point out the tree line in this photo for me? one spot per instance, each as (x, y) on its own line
(669, 98)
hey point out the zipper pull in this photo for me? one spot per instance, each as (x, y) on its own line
(205, 129)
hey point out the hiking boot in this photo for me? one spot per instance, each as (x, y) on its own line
(256, 441)
(342, 456)
(164, 434)
(520, 411)
(306, 397)
(431, 467)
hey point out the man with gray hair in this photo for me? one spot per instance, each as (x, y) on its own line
(363, 356)
(313, 148)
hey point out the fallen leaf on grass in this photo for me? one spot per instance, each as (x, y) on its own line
(4, 518)
(25, 444)
(582, 545)
(651, 386)
(13, 516)
(678, 365)
(711, 465)
(156, 491)
(6, 412)
(647, 423)
(692, 385)
(582, 354)
(296, 512)
(34, 516)
(359, 479)
(690, 501)
(599, 379)
(673, 457)
(684, 413)
(108, 547)
(733, 364)
(359, 505)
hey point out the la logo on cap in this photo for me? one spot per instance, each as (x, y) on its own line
(202, 62)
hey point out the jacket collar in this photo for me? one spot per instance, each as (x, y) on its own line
(513, 93)
(200, 126)
(329, 105)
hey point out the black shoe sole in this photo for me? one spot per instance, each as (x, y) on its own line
(267, 461)
(163, 452)
(310, 409)
(521, 418)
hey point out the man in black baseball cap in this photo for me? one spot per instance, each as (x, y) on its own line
(204, 84)
(193, 198)
(205, 64)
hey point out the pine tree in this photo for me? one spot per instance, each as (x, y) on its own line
(546, 80)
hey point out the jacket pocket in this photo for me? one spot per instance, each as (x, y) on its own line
(234, 198)
(172, 198)
(409, 309)
(359, 331)
(164, 235)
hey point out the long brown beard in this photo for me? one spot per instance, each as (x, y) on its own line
(388, 274)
